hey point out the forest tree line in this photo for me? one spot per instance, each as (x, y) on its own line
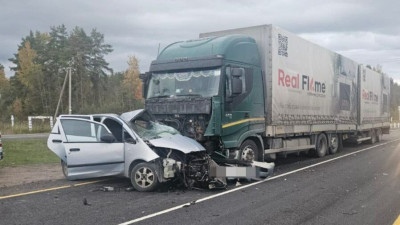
(42, 59)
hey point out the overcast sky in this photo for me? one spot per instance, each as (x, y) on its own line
(365, 31)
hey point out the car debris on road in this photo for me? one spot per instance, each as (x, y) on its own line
(138, 147)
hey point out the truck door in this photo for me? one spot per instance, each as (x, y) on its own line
(91, 149)
(238, 107)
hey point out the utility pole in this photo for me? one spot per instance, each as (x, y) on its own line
(67, 77)
(70, 87)
(61, 94)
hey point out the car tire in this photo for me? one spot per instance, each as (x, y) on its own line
(249, 151)
(321, 146)
(144, 177)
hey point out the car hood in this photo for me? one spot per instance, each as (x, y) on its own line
(132, 115)
(178, 142)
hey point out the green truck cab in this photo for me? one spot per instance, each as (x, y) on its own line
(211, 89)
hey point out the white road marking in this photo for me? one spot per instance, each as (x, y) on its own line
(252, 184)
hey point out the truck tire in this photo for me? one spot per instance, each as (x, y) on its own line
(334, 144)
(144, 177)
(373, 136)
(379, 135)
(321, 146)
(249, 151)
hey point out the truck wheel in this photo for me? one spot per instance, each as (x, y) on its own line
(373, 136)
(249, 151)
(378, 135)
(144, 177)
(334, 143)
(64, 167)
(321, 147)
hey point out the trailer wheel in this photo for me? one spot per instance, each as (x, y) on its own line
(249, 151)
(144, 177)
(373, 136)
(379, 135)
(321, 147)
(334, 143)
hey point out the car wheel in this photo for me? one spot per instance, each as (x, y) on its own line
(321, 147)
(144, 177)
(64, 167)
(249, 151)
(334, 143)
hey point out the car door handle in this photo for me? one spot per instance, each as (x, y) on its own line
(74, 149)
(56, 141)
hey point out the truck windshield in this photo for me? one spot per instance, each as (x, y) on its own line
(203, 83)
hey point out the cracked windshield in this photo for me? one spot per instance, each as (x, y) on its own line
(203, 83)
(149, 130)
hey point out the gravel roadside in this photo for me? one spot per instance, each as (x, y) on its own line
(11, 176)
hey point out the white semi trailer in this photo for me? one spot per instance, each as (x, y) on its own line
(252, 92)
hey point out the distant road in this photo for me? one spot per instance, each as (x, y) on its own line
(23, 136)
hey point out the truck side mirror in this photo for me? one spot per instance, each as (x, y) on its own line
(237, 75)
(237, 72)
(237, 86)
(144, 77)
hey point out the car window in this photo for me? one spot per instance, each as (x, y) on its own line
(114, 127)
(83, 131)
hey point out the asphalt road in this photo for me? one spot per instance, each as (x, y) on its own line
(360, 185)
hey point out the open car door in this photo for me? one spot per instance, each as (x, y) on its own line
(90, 149)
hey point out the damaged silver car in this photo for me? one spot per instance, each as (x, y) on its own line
(133, 145)
(138, 147)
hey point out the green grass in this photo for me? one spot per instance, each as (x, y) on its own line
(25, 152)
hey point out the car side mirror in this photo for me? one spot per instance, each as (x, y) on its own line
(108, 138)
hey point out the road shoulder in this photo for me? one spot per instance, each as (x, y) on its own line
(12, 176)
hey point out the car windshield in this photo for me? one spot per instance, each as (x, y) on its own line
(149, 130)
(203, 83)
